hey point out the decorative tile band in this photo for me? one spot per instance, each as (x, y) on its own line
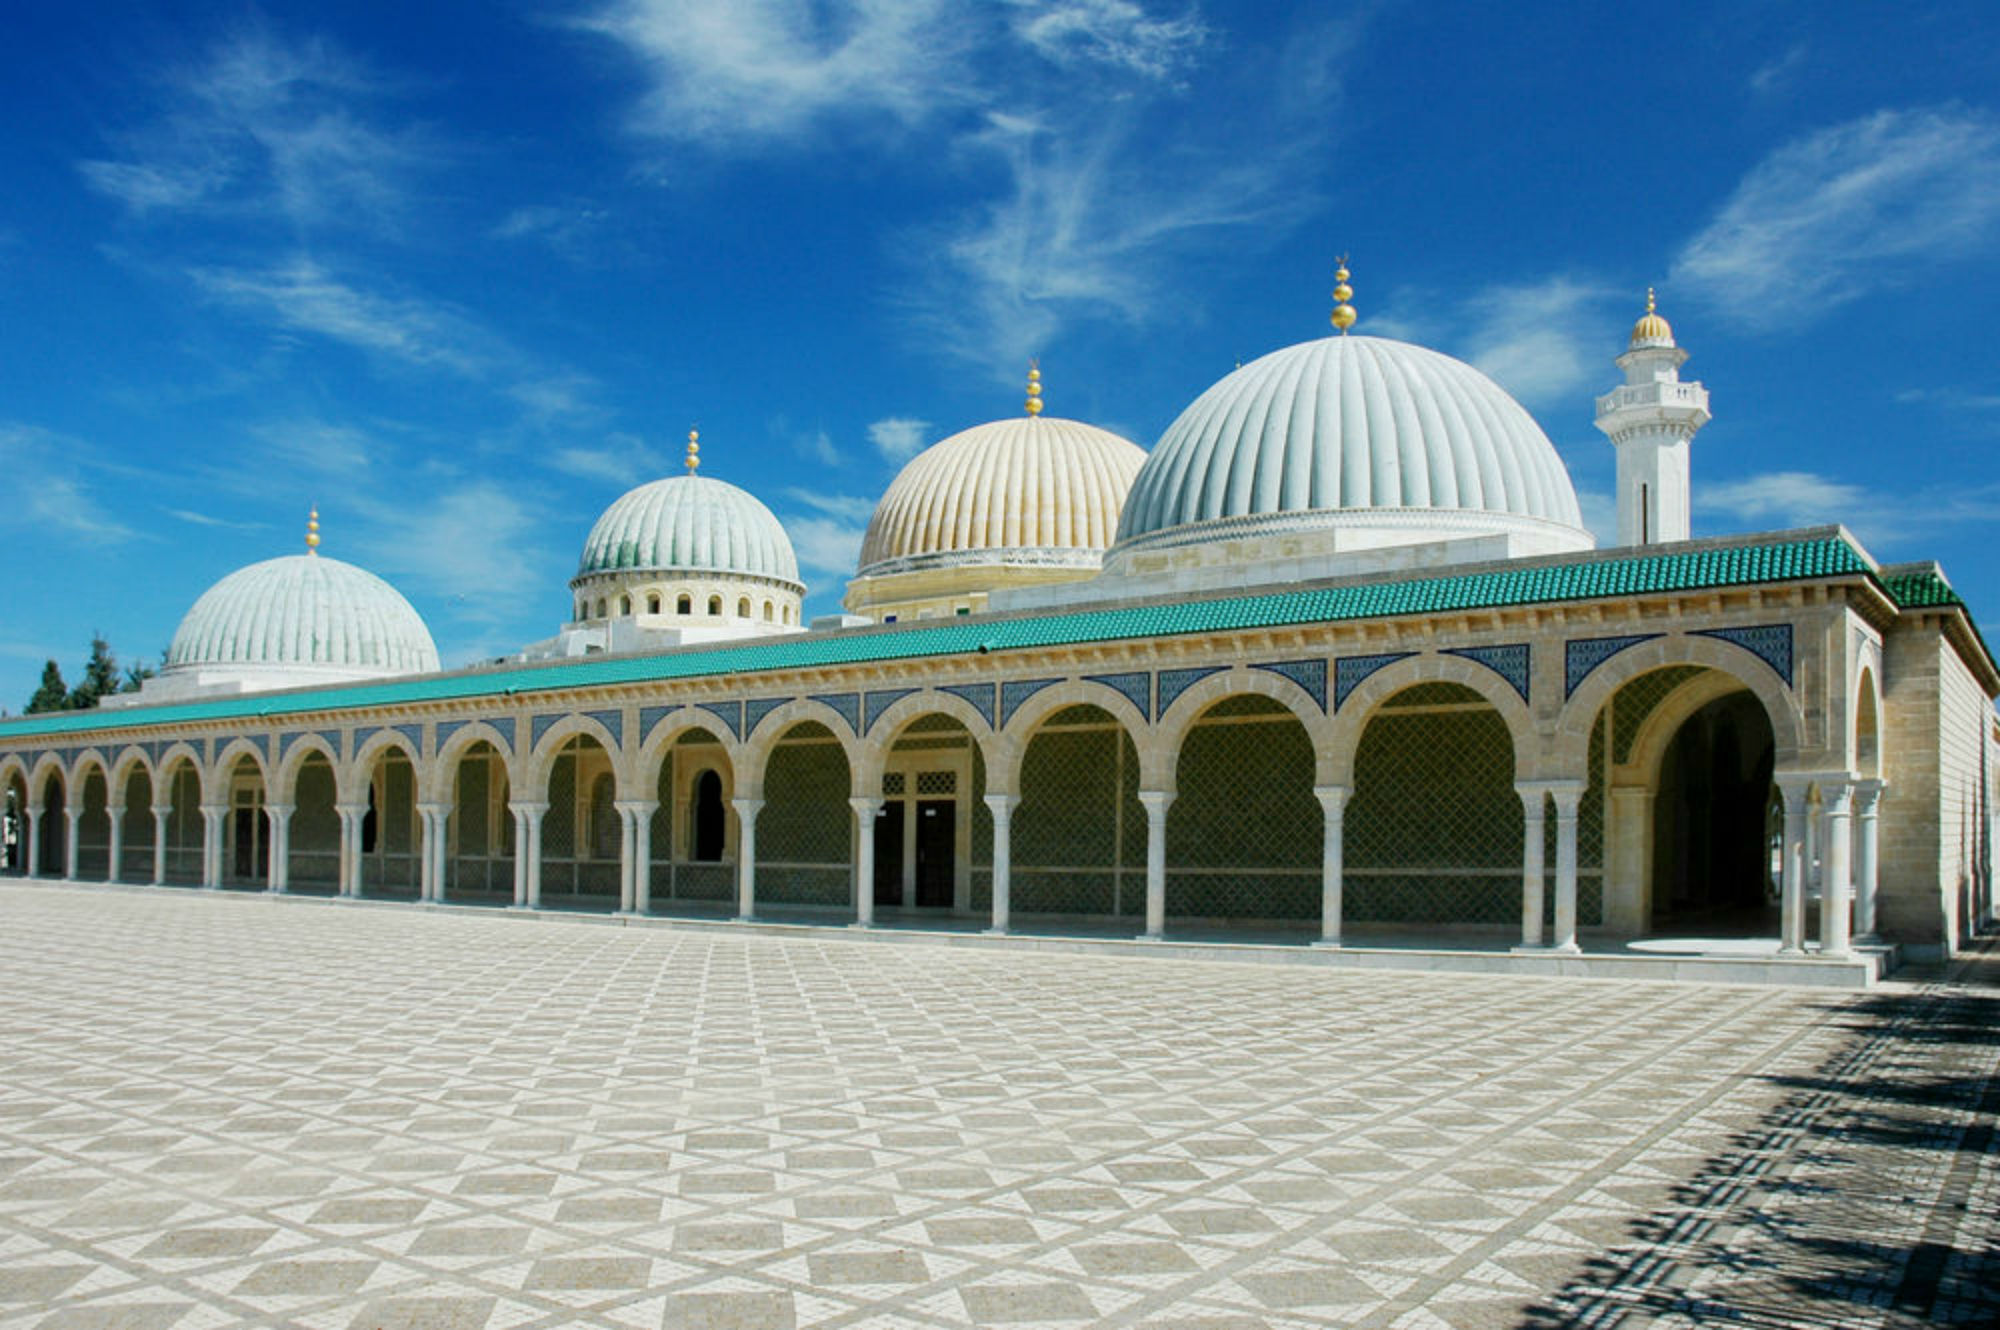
(613, 721)
(1175, 682)
(756, 709)
(1016, 691)
(981, 695)
(848, 705)
(875, 703)
(539, 726)
(1136, 687)
(1584, 654)
(1509, 662)
(1350, 671)
(1307, 674)
(1770, 643)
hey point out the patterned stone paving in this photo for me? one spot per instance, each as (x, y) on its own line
(221, 1111)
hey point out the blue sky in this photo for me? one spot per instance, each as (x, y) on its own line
(461, 273)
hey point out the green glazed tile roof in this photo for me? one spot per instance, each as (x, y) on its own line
(1544, 583)
(1920, 591)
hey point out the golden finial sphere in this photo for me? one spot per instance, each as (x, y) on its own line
(1343, 317)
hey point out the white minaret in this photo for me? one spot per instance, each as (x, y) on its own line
(1651, 421)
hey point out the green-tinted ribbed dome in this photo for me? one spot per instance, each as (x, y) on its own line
(304, 610)
(689, 524)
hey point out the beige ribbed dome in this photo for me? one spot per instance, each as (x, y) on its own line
(1031, 490)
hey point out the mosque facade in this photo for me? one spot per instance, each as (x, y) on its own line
(1335, 660)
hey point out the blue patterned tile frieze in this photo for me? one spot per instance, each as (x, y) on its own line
(981, 695)
(1770, 643)
(848, 705)
(1016, 691)
(879, 701)
(1349, 672)
(1509, 662)
(1307, 674)
(1175, 682)
(614, 721)
(1584, 654)
(757, 708)
(1136, 686)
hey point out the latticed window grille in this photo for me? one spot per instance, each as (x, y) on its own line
(691, 824)
(14, 832)
(482, 827)
(1079, 832)
(184, 824)
(804, 833)
(315, 826)
(93, 827)
(580, 831)
(1244, 832)
(1434, 826)
(137, 851)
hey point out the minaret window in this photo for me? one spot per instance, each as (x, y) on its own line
(767, 611)
(652, 602)
(715, 607)
(684, 604)
(743, 607)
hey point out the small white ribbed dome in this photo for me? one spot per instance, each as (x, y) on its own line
(304, 611)
(1030, 488)
(689, 523)
(1351, 430)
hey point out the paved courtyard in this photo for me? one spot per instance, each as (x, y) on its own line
(221, 1111)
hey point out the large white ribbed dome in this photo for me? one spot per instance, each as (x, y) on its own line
(307, 612)
(1031, 489)
(689, 523)
(1359, 431)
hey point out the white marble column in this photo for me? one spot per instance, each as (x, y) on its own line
(746, 855)
(528, 854)
(1792, 886)
(72, 817)
(1332, 861)
(1836, 890)
(1002, 807)
(212, 843)
(1867, 865)
(278, 875)
(35, 841)
(427, 852)
(641, 812)
(1568, 795)
(1534, 795)
(352, 818)
(1156, 803)
(161, 817)
(865, 810)
(117, 816)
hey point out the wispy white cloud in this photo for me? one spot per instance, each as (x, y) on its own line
(1117, 33)
(1804, 498)
(898, 438)
(1079, 230)
(49, 492)
(193, 518)
(1776, 75)
(474, 546)
(1545, 341)
(318, 446)
(1837, 216)
(303, 296)
(827, 545)
(1952, 399)
(757, 70)
(569, 230)
(852, 507)
(620, 461)
(266, 125)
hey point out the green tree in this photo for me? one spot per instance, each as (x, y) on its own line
(100, 677)
(136, 675)
(52, 694)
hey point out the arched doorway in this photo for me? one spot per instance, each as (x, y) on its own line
(480, 862)
(1434, 825)
(805, 844)
(246, 833)
(1716, 821)
(136, 848)
(933, 833)
(313, 835)
(580, 831)
(1079, 834)
(14, 826)
(184, 829)
(93, 826)
(54, 828)
(692, 845)
(1244, 832)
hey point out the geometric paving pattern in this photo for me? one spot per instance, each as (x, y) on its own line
(221, 1111)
